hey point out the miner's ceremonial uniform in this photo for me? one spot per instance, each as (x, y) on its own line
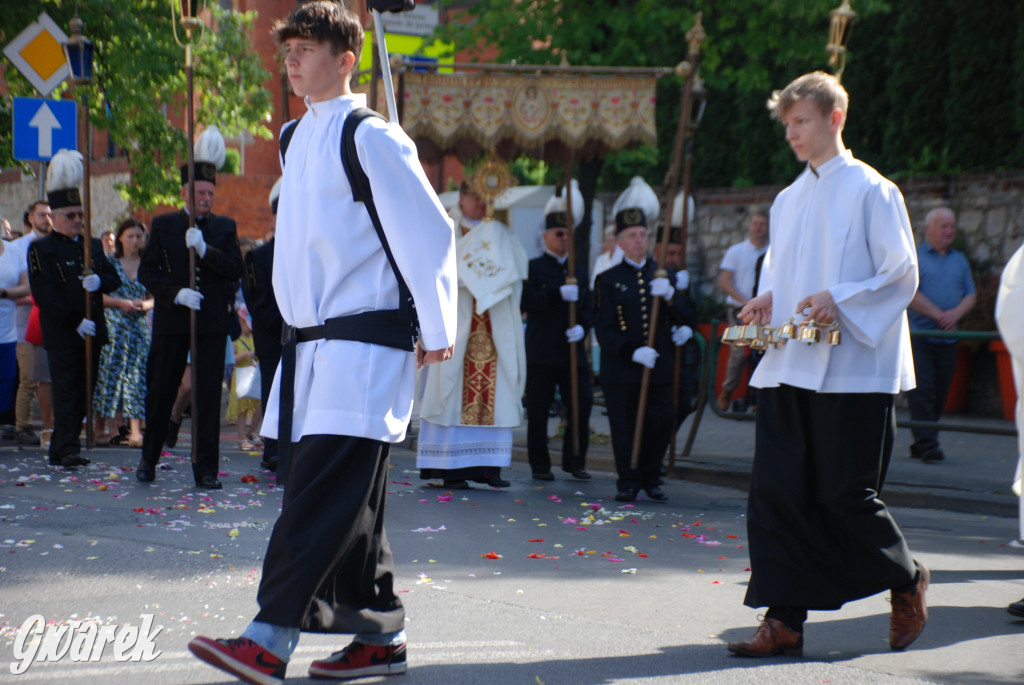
(164, 270)
(623, 303)
(548, 365)
(258, 289)
(55, 276)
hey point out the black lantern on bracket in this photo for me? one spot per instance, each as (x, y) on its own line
(78, 51)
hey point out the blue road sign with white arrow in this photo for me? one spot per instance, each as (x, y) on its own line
(43, 126)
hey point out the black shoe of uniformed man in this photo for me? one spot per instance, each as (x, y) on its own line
(626, 495)
(657, 494)
(172, 432)
(146, 472)
(580, 474)
(269, 464)
(544, 476)
(209, 482)
(70, 461)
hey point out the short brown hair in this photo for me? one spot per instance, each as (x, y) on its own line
(822, 89)
(324, 21)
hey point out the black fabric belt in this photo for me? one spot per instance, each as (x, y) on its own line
(382, 327)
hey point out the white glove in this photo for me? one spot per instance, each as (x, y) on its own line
(681, 334)
(91, 282)
(646, 355)
(194, 238)
(574, 334)
(660, 287)
(86, 328)
(189, 298)
(570, 293)
(682, 280)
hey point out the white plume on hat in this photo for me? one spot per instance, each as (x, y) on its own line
(640, 196)
(275, 192)
(677, 211)
(557, 203)
(64, 171)
(210, 147)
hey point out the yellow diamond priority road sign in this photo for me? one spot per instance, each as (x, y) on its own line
(38, 54)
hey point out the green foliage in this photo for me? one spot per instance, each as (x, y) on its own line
(139, 75)
(531, 172)
(232, 162)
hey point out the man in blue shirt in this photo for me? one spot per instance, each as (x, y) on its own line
(945, 295)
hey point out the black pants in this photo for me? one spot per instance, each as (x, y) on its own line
(541, 382)
(168, 357)
(268, 352)
(934, 364)
(622, 400)
(67, 371)
(819, 535)
(328, 566)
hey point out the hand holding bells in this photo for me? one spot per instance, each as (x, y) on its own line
(760, 337)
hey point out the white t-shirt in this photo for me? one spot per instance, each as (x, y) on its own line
(741, 260)
(12, 265)
(22, 311)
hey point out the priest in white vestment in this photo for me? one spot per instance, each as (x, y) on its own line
(472, 402)
(1010, 319)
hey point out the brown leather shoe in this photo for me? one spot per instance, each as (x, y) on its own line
(909, 613)
(772, 638)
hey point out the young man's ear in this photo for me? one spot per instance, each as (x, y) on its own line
(836, 119)
(347, 63)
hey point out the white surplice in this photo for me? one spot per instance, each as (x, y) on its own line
(492, 267)
(842, 227)
(329, 262)
(1010, 319)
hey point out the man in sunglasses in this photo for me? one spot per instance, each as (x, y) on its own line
(60, 284)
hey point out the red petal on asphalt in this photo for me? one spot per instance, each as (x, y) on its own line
(491, 555)
(538, 540)
(733, 537)
(689, 535)
(535, 556)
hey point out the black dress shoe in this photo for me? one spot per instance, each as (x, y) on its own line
(172, 432)
(209, 482)
(581, 474)
(656, 494)
(70, 461)
(146, 472)
(269, 465)
(544, 476)
(497, 482)
(933, 455)
(456, 484)
(627, 495)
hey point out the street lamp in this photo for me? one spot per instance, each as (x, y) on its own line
(841, 26)
(78, 51)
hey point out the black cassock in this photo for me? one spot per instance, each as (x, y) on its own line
(819, 535)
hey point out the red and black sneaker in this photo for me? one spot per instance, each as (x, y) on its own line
(242, 658)
(358, 660)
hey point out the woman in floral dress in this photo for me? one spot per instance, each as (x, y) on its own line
(121, 385)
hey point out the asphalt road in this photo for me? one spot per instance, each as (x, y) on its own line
(584, 590)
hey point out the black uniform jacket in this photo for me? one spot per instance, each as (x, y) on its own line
(55, 276)
(547, 314)
(258, 289)
(623, 305)
(164, 271)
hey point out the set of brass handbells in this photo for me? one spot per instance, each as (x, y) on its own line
(760, 337)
